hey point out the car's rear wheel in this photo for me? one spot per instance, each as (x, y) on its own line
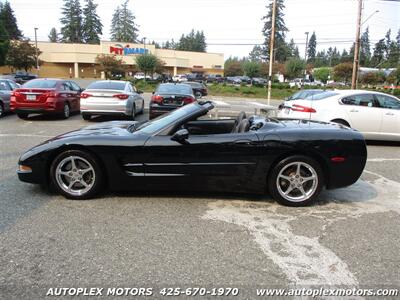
(86, 117)
(142, 110)
(296, 181)
(76, 175)
(22, 116)
(133, 112)
(66, 111)
(198, 94)
(1, 109)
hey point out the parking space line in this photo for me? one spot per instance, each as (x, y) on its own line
(382, 159)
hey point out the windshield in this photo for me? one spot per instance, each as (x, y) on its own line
(174, 89)
(41, 84)
(321, 96)
(107, 85)
(169, 118)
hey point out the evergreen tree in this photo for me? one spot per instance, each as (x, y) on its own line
(53, 35)
(365, 51)
(312, 48)
(91, 27)
(9, 21)
(293, 49)
(379, 53)
(345, 57)
(4, 44)
(388, 41)
(71, 20)
(280, 32)
(256, 54)
(194, 41)
(123, 27)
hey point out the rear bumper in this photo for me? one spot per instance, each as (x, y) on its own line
(31, 108)
(116, 108)
(158, 110)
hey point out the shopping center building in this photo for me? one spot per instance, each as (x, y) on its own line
(79, 60)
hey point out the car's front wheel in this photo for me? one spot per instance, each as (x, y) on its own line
(66, 111)
(76, 174)
(296, 181)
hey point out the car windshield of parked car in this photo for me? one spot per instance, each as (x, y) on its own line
(321, 96)
(163, 121)
(174, 89)
(107, 85)
(41, 84)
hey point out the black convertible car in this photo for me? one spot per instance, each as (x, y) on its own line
(185, 150)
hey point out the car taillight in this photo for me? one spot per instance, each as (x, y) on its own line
(157, 99)
(49, 95)
(16, 94)
(121, 96)
(85, 95)
(188, 100)
(301, 108)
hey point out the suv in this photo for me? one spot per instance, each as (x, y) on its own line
(214, 78)
(197, 77)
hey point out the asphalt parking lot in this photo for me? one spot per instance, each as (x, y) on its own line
(350, 237)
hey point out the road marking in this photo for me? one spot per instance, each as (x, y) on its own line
(24, 135)
(220, 103)
(382, 159)
(303, 259)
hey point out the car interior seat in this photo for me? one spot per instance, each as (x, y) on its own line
(239, 119)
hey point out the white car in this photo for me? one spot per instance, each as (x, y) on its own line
(375, 115)
(179, 78)
(140, 75)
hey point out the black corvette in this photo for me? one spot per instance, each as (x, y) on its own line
(185, 150)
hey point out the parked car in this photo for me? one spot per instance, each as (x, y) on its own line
(24, 76)
(140, 75)
(303, 94)
(170, 96)
(199, 89)
(47, 96)
(245, 79)
(375, 115)
(179, 78)
(259, 81)
(6, 88)
(233, 80)
(182, 151)
(196, 77)
(214, 78)
(111, 97)
(12, 77)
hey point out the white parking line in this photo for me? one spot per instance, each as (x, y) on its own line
(220, 103)
(382, 159)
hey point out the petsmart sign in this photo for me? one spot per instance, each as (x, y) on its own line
(126, 50)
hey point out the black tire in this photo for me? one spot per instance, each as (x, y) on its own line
(66, 111)
(1, 109)
(296, 197)
(342, 122)
(198, 95)
(86, 117)
(98, 174)
(22, 116)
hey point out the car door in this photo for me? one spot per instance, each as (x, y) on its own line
(5, 94)
(75, 95)
(363, 113)
(218, 162)
(390, 107)
(136, 97)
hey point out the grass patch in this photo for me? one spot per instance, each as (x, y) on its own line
(248, 91)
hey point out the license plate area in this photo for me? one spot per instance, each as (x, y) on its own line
(31, 97)
(172, 102)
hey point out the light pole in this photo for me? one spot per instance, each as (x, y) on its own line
(36, 50)
(357, 47)
(271, 51)
(144, 43)
(305, 54)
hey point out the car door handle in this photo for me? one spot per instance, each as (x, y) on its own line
(354, 110)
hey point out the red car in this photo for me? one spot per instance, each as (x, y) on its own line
(46, 95)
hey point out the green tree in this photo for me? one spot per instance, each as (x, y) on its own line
(9, 21)
(322, 74)
(71, 21)
(312, 48)
(109, 64)
(369, 78)
(194, 41)
(294, 67)
(365, 50)
(91, 26)
(233, 67)
(53, 35)
(379, 53)
(4, 43)
(148, 63)
(123, 26)
(256, 54)
(343, 72)
(252, 68)
(22, 55)
(293, 49)
(280, 32)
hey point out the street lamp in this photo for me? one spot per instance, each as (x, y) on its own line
(37, 56)
(305, 54)
(144, 42)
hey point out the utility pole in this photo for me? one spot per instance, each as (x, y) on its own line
(271, 50)
(357, 47)
(305, 54)
(36, 50)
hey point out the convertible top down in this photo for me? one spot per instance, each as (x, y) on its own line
(185, 150)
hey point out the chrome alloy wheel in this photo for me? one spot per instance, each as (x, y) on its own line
(75, 175)
(297, 181)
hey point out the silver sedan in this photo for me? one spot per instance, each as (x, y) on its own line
(111, 97)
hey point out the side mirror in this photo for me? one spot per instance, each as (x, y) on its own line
(181, 136)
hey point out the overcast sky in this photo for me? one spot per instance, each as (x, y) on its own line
(226, 21)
